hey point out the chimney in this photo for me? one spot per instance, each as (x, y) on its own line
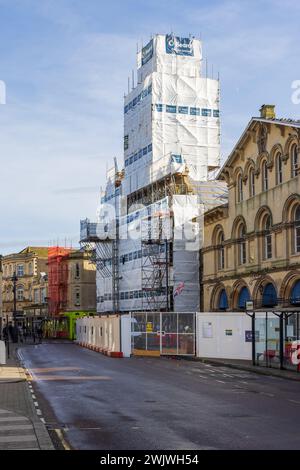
(267, 111)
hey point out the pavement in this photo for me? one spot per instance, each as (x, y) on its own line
(249, 367)
(20, 425)
(142, 403)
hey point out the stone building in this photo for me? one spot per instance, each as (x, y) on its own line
(71, 281)
(251, 249)
(30, 268)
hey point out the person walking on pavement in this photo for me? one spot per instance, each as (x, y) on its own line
(40, 333)
(20, 332)
(8, 331)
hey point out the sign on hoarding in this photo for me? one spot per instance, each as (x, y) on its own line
(249, 336)
(179, 46)
(147, 52)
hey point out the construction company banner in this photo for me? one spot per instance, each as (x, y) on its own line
(179, 46)
(147, 52)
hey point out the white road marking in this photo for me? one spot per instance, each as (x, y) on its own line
(26, 438)
(13, 418)
(13, 427)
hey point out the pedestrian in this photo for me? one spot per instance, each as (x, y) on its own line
(20, 332)
(5, 333)
(25, 332)
(11, 333)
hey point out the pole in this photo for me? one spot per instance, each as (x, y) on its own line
(15, 296)
(7, 337)
(253, 339)
(167, 275)
(281, 340)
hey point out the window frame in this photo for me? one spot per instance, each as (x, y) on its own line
(242, 247)
(279, 168)
(240, 194)
(297, 230)
(265, 176)
(251, 182)
(294, 160)
(268, 248)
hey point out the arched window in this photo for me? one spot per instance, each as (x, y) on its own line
(242, 249)
(221, 251)
(279, 177)
(265, 177)
(294, 160)
(297, 230)
(240, 195)
(251, 183)
(269, 296)
(223, 300)
(295, 294)
(244, 297)
(267, 237)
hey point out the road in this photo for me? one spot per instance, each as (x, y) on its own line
(150, 403)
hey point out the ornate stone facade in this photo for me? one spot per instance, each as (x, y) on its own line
(252, 245)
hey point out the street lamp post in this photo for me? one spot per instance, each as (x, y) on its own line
(15, 280)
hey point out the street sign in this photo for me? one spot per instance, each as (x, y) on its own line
(249, 336)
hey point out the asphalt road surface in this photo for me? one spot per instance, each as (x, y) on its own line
(97, 402)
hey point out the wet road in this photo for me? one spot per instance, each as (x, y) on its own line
(149, 403)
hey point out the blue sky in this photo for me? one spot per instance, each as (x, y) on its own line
(65, 64)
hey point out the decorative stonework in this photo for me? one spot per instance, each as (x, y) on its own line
(262, 138)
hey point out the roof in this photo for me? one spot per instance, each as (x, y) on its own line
(279, 122)
(41, 251)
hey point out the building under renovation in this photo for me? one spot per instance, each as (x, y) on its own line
(147, 236)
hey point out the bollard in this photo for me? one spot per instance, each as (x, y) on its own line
(2, 353)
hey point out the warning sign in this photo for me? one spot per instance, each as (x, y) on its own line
(149, 327)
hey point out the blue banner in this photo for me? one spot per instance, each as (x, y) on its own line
(179, 46)
(147, 52)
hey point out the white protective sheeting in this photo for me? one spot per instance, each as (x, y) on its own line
(172, 111)
(171, 124)
(186, 246)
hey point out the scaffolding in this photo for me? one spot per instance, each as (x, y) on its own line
(58, 279)
(101, 242)
(156, 258)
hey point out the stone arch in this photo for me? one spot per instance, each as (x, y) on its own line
(260, 284)
(235, 292)
(261, 158)
(289, 206)
(288, 283)
(238, 221)
(249, 165)
(264, 210)
(277, 148)
(214, 299)
(217, 230)
(293, 139)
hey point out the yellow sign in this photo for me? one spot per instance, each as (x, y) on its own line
(149, 327)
